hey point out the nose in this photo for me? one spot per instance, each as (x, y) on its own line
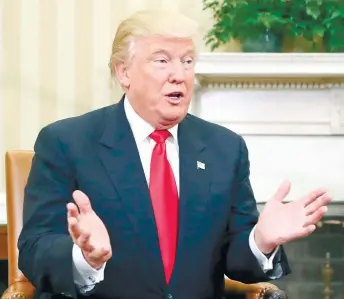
(177, 74)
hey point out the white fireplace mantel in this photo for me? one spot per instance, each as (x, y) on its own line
(285, 65)
(290, 110)
(288, 94)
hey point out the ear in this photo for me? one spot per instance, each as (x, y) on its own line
(122, 74)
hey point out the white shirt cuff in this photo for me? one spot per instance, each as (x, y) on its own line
(265, 263)
(85, 277)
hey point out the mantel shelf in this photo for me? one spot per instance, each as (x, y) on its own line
(324, 66)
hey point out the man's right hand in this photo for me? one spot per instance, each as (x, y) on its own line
(88, 231)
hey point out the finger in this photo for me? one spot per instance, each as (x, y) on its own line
(73, 227)
(306, 231)
(308, 199)
(82, 201)
(316, 216)
(318, 203)
(101, 253)
(282, 191)
(72, 211)
(84, 242)
(107, 256)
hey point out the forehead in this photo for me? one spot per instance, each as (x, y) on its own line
(150, 45)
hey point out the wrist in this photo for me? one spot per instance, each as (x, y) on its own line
(96, 266)
(265, 246)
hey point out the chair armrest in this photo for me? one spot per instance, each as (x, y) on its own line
(274, 294)
(263, 290)
(19, 290)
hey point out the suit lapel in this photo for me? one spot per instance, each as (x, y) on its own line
(119, 156)
(194, 187)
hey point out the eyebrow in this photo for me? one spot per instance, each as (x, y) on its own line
(160, 51)
(163, 51)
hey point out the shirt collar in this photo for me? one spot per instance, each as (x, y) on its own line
(140, 128)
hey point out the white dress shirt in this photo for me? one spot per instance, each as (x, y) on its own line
(85, 277)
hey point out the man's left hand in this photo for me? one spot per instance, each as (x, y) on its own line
(280, 223)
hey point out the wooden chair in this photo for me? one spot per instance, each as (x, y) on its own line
(18, 164)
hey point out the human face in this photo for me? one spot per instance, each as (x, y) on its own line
(160, 79)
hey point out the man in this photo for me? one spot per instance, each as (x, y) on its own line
(142, 200)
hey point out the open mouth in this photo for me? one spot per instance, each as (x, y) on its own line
(177, 95)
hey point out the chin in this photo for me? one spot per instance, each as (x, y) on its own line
(172, 118)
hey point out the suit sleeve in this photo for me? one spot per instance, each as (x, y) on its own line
(45, 247)
(241, 263)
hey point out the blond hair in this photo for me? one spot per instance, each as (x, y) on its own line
(148, 23)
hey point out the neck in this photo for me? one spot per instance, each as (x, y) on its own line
(153, 118)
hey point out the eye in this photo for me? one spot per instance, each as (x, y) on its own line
(161, 60)
(188, 61)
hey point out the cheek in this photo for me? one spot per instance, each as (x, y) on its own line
(147, 79)
(155, 82)
(190, 83)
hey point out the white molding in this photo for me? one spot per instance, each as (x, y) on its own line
(274, 85)
(274, 111)
(3, 211)
(270, 65)
(311, 82)
(288, 107)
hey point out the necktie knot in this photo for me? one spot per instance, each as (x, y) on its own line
(160, 136)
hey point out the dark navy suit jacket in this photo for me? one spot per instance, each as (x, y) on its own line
(97, 154)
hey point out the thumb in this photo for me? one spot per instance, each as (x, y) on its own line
(82, 201)
(282, 191)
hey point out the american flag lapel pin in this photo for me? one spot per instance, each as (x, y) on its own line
(200, 165)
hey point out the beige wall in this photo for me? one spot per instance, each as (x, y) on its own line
(53, 60)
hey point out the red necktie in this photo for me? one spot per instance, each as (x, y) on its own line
(164, 196)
